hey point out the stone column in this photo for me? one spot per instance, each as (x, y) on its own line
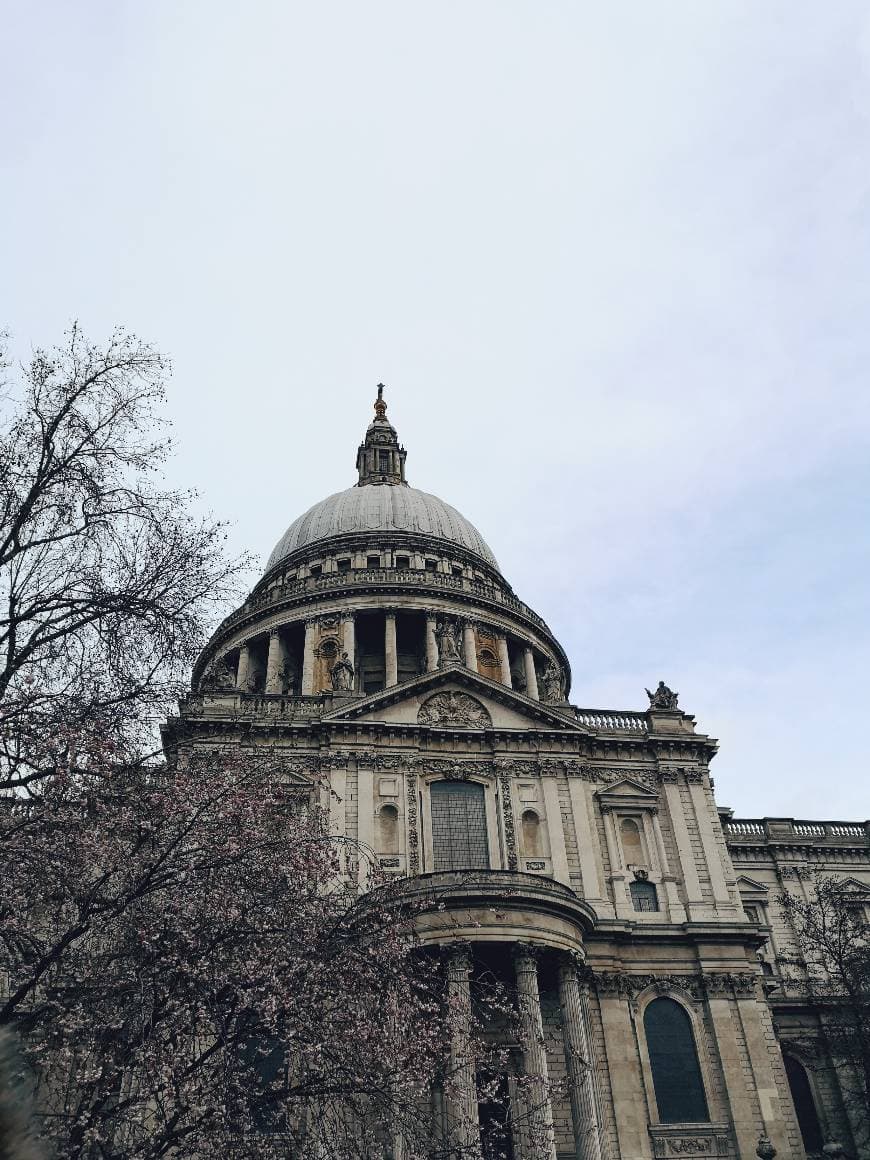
(531, 674)
(462, 1122)
(537, 1095)
(244, 667)
(504, 661)
(308, 689)
(348, 639)
(469, 646)
(431, 644)
(391, 660)
(578, 1055)
(274, 662)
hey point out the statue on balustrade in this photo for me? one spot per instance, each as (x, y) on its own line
(341, 675)
(289, 679)
(448, 644)
(663, 697)
(217, 678)
(552, 682)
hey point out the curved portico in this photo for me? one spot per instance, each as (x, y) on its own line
(537, 925)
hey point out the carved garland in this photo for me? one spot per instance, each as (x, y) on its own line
(508, 814)
(413, 835)
(713, 985)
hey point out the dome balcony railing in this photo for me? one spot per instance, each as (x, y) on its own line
(363, 577)
(233, 704)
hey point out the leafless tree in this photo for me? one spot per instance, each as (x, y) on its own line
(107, 582)
(832, 970)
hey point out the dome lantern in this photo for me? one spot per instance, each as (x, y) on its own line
(381, 458)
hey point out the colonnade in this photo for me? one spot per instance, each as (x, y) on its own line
(536, 1105)
(276, 657)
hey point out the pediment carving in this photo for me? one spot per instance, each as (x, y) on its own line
(454, 710)
(627, 792)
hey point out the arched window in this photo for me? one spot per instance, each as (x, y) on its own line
(531, 834)
(644, 896)
(459, 839)
(804, 1104)
(388, 842)
(673, 1060)
(632, 850)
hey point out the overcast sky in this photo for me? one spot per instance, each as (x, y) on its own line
(611, 261)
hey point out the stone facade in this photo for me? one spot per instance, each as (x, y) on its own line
(384, 651)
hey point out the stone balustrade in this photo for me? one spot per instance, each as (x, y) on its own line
(626, 722)
(789, 831)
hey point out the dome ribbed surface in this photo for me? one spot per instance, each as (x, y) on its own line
(375, 508)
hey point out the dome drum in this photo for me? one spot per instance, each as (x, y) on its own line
(369, 587)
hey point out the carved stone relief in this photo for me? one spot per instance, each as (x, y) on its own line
(454, 710)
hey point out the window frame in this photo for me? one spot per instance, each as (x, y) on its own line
(691, 1007)
(493, 826)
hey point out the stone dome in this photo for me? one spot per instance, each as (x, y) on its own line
(381, 508)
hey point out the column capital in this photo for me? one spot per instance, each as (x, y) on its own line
(459, 956)
(526, 956)
(273, 633)
(347, 614)
(573, 961)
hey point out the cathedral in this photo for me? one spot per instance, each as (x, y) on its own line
(384, 650)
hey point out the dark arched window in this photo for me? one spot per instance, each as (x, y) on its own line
(673, 1059)
(644, 896)
(804, 1104)
(459, 826)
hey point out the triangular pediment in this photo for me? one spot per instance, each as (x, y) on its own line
(455, 698)
(626, 791)
(853, 886)
(747, 886)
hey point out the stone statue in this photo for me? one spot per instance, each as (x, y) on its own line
(448, 644)
(663, 697)
(217, 677)
(341, 675)
(552, 682)
(289, 679)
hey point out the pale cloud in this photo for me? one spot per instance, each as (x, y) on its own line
(611, 262)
